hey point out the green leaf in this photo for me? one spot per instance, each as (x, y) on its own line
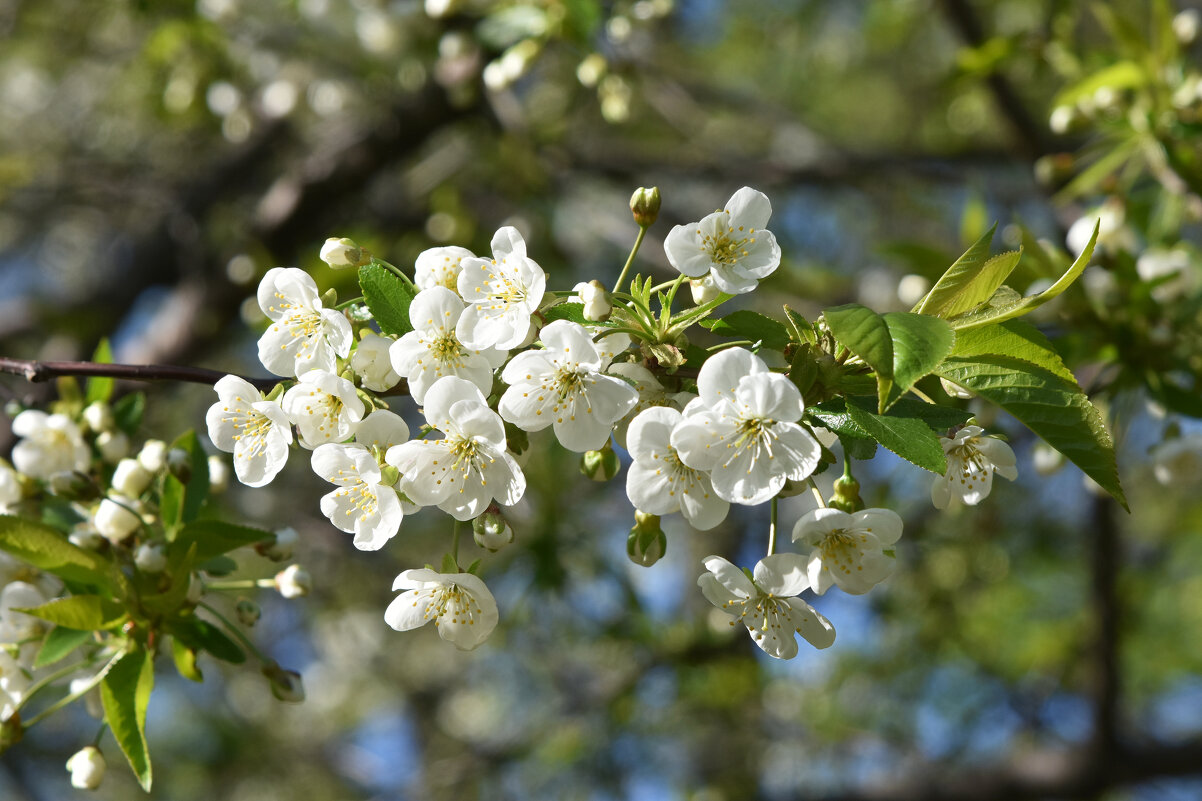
(58, 644)
(1015, 338)
(920, 343)
(997, 312)
(215, 537)
(201, 635)
(46, 548)
(957, 277)
(938, 418)
(751, 326)
(864, 333)
(567, 311)
(185, 661)
(1123, 75)
(832, 415)
(125, 692)
(180, 503)
(128, 410)
(1055, 409)
(801, 329)
(100, 388)
(388, 297)
(908, 437)
(84, 612)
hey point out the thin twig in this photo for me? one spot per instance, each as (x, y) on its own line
(37, 372)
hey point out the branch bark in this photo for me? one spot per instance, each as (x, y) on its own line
(37, 372)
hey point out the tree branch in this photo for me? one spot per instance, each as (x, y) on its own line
(37, 372)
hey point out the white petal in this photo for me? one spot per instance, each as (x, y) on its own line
(749, 208)
(720, 376)
(408, 610)
(782, 574)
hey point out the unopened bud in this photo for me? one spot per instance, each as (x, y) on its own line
(342, 253)
(954, 390)
(219, 474)
(1185, 25)
(153, 455)
(87, 768)
(248, 612)
(98, 416)
(131, 478)
(150, 558)
(113, 446)
(644, 205)
(596, 301)
(491, 530)
(293, 582)
(286, 685)
(600, 465)
(179, 464)
(196, 588)
(74, 486)
(115, 521)
(647, 543)
(703, 289)
(279, 549)
(847, 495)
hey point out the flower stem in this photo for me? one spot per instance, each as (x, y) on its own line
(921, 394)
(772, 527)
(72, 697)
(346, 304)
(817, 492)
(393, 269)
(455, 542)
(232, 629)
(638, 243)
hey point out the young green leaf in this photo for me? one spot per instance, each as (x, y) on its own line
(215, 537)
(127, 412)
(84, 612)
(920, 343)
(864, 333)
(957, 278)
(100, 388)
(1015, 338)
(201, 635)
(47, 549)
(567, 311)
(125, 692)
(751, 326)
(59, 643)
(180, 502)
(833, 416)
(185, 661)
(1055, 409)
(388, 298)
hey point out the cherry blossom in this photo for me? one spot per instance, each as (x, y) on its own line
(52, 444)
(972, 459)
(372, 365)
(848, 549)
(731, 245)
(324, 408)
(255, 430)
(658, 482)
(502, 293)
(461, 606)
(440, 267)
(303, 335)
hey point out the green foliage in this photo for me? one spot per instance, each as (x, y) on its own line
(567, 311)
(751, 326)
(100, 388)
(919, 344)
(47, 549)
(128, 411)
(83, 612)
(388, 297)
(59, 643)
(200, 635)
(125, 692)
(181, 501)
(213, 538)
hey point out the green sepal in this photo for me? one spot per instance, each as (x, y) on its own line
(185, 661)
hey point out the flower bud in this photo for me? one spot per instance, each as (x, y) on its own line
(954, 390)
(85, 536)
(179, 464)
(248, 612)
(600, 465)
(153, 455)
(11, 731)
(1045, 459)
(595, 299)
(131, 478)
(113, 445)
(293, 582)
(644, 205)
(279, 549)
(646, 544)
(150, 558)
(87, 768)
(286, 685)
(591, 70)
(343, 253)
(491, 530)
(196, 588)
(98, 416)
(847, 495)
(219, 474)
(703, 289)
(74, 486)
(115, 521)
(1185, 25)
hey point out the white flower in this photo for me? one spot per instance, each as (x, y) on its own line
(362, 505)
(87, 768)
(651, 393)
(432, 349)
(98, 416)
(440, 267)
(971, 462)
(114, 519)
(13, 684)
(371, 363)
(767, 606)
(113, 446)
(293, 582)
(17, 626)
(462, 608)
(381, 430)
(502, 292)
(742, 429)
(153, 455)
(131, 478)
(462, 473)
(324, 408)
(1113, 233)
(849, 549)
(303, 336)
(10, 490)
(703, 289)
(1178, 461)
(658, 482)
(731, 244)
(562, 385)
(341, 253)
(595, 300)
(52, 444)
(255, 430)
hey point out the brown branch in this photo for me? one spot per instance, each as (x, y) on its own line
(37, 372)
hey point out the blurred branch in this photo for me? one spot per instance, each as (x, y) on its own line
(1104, 566)
(37, 372)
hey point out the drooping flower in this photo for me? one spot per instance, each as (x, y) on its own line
(372, 364)
(658, 482)
(303, 335)
(849, 549)
(432, 349)
(363, 504)
(324, 408)
(743, 429)
(87, 768)
(767, 605)
(562, 385)
(502, 293)
(462, 608)
(52, 444)
(440, 267)
(731, 245)
(972, 459)
(463, 472)
(255, 430)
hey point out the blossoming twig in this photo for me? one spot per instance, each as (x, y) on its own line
(38, 371)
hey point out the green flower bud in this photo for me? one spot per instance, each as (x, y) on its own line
(248, 612)
(491, 531)
(73, 485)
(847, 495)
(286, 685)
(644, 205)
(600, 465)
(646, 544)
(11, 731)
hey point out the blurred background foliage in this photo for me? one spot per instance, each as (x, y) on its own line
(156, 158)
